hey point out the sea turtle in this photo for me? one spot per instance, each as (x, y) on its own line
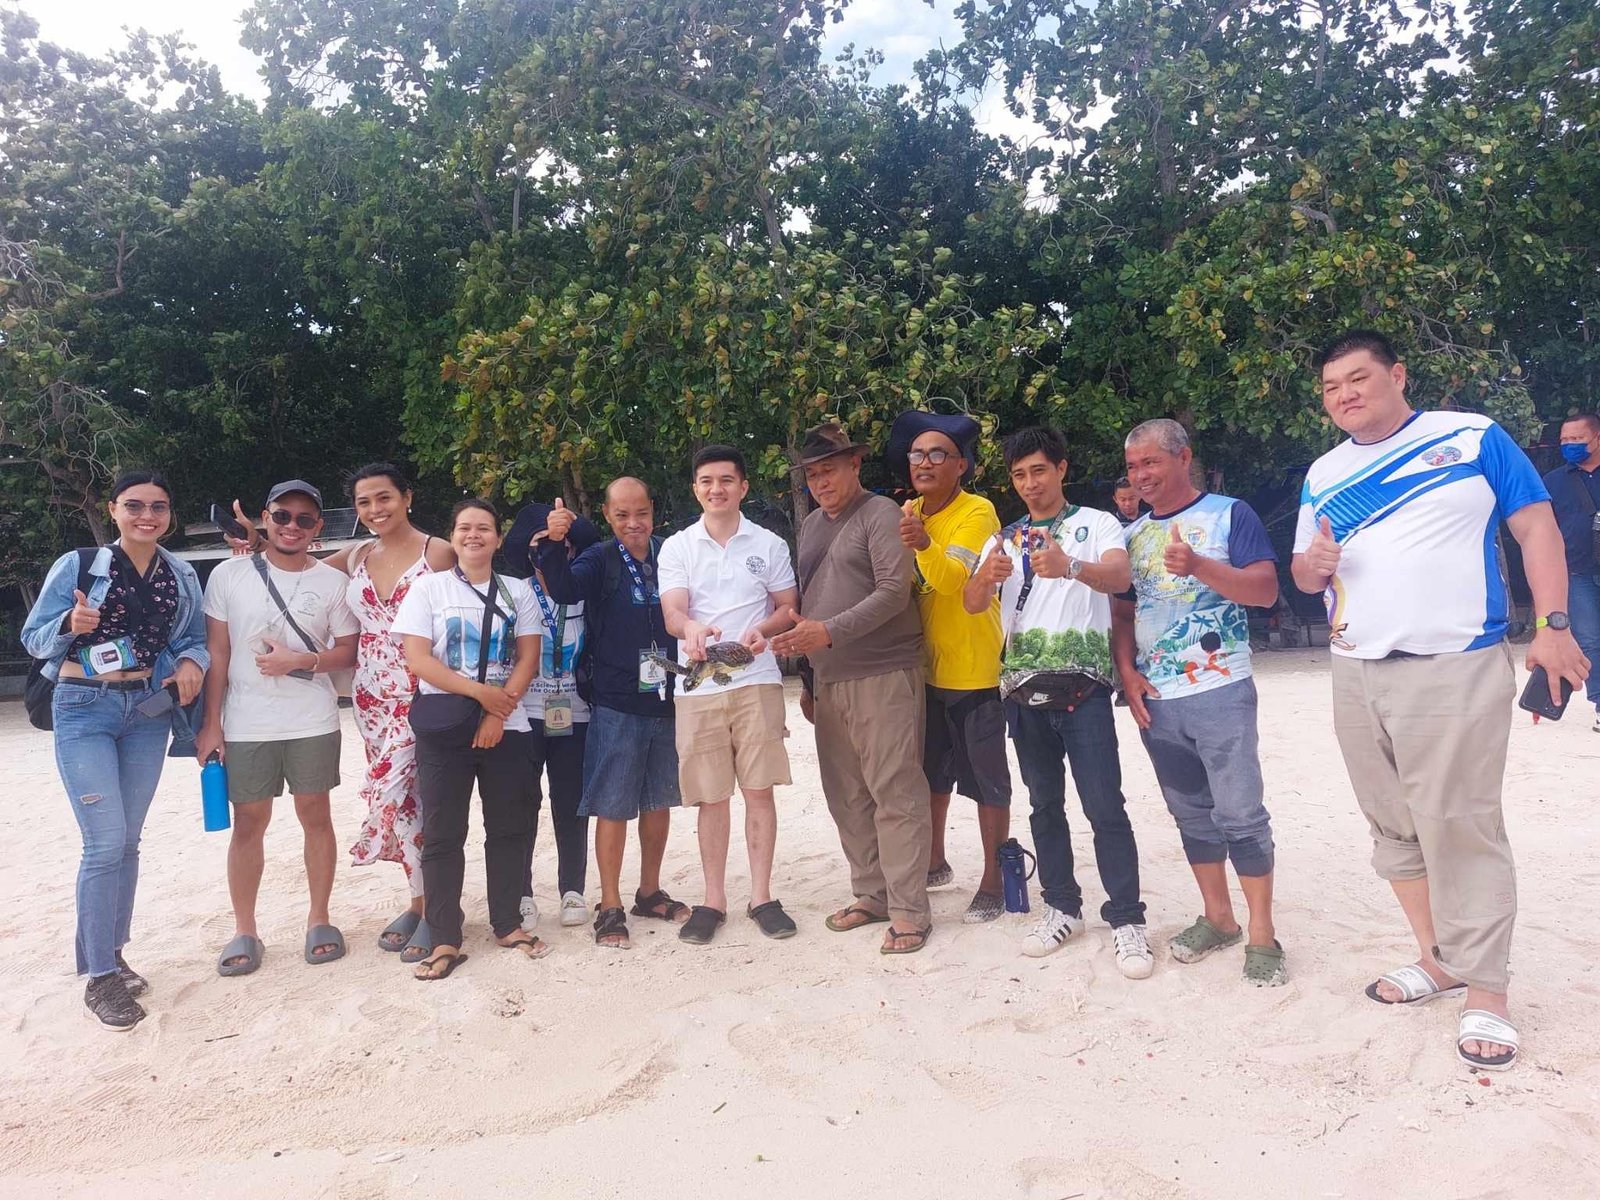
(722, 662)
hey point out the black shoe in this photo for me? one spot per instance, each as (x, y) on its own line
(107, 998)
(136, 983)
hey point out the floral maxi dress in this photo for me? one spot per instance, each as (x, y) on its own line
(392, 831)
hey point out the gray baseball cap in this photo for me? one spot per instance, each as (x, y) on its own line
(280, 490)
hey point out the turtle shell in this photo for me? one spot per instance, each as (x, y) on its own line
(730, 654)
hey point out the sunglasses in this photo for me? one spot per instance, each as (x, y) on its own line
(136, 508)
(933, 457)
(282, 516)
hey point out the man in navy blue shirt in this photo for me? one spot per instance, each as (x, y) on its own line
(1575, 493)
(630, 767)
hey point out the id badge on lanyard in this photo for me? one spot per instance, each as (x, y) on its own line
(558, 703)
(102, 659)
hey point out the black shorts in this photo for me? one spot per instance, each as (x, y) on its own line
(964, 747)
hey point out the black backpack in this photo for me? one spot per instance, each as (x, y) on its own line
(38, 691)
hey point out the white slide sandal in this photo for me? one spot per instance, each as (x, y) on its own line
(1480, 1026)
(1415, 986)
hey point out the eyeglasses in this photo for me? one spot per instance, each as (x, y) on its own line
(136, 508)
(282, 516)
(931, 457)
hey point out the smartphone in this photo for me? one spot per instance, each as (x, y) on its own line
(228, 523)
(1536, 696)
(158, 703)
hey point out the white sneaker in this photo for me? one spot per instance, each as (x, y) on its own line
(573, 910)
(1134, 956)
(1051, 932)
(530, 913)
(1597, 718)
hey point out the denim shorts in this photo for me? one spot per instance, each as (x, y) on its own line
(630, 765)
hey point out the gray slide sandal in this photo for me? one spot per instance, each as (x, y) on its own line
(323, 935)
(246, 946)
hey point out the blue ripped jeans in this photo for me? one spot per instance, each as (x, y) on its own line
(110, 759)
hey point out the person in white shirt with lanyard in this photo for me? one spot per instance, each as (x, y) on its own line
(471, 638)
(1056, 570)
(277, 623)
(558, 710)
(726, 579)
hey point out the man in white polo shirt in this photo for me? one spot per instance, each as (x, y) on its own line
(726, 579)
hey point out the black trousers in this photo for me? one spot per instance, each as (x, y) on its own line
(562, 759)
(445, 775)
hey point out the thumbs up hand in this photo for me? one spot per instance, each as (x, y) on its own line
(1048, 559)
(995, 569)
(1179, 557)
(1323, 553)
(83, 618)
(560, 522)
(912, 531)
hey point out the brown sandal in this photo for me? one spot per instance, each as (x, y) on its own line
(646, 906)
(893, 935)
(840, 921)
(430, 965)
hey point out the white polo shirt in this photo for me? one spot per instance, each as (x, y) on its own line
(729, 586)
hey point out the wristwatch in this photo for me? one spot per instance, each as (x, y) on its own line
(1074, 568)
(1555, 620)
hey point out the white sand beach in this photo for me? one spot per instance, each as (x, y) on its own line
(812, 1067)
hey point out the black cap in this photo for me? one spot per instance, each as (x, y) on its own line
(288, 486)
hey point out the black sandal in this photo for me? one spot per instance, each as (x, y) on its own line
(702, 924)
(645, 906)
(774, 922)
(451, 961)
(612, 922)
(532, 947)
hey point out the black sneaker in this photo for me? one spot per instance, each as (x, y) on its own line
(137, 984)
(107, 998)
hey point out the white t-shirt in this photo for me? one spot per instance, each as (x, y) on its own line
(448, 611)
(262, 709)
(1065, 624)
(729, 586)
(556, 674)
(1415, 516)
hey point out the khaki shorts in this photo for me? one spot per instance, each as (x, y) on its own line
(734, 736)
(258, 770)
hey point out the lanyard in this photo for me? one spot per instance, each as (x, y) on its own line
(638, 579)
(555, 620)
(1027, 559)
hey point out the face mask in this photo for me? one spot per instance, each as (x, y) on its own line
(1575, 454)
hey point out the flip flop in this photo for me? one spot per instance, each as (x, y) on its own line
(247, 946)
(402, 926)
(420, 945)
(845, 925)
(323, 935)
(774, 922)
(701, 926)
(531, 947)
(1415, 986)
(451, 961)
(920, 934)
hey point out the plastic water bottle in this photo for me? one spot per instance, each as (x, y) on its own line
(1013, 875)
(214, 794)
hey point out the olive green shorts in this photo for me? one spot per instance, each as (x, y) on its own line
(259, 770)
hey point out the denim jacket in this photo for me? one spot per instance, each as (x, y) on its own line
(42, 636)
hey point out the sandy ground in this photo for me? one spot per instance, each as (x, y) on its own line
(814, 1066)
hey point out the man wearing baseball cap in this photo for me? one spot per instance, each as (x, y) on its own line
(859, 629)
(947, 528)
(276, 625)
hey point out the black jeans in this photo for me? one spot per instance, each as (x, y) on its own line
(562, 759)
(1087, 738)
(445, 775)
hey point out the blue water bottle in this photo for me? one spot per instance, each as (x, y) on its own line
(214, 793)
(1013, 875)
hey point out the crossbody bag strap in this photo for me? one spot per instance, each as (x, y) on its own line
(277, 598)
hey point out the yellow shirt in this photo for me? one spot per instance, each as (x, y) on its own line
(962, 650)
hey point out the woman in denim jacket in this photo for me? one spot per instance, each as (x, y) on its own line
(112, 654)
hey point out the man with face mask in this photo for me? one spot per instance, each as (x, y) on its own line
(1575, 493)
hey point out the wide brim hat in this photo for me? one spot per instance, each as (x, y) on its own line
(961, 429)
(529, 521)
(825, 441)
